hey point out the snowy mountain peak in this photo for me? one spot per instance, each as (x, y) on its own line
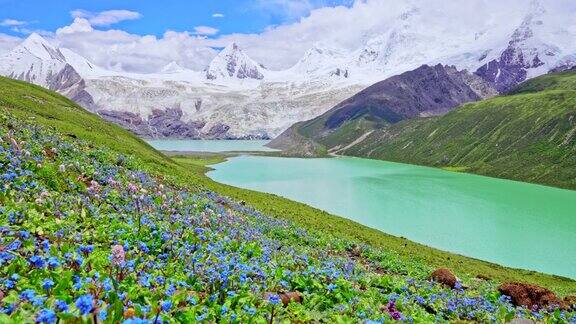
(323, 60)
(232, 63)
(172, 67)
(41, 48)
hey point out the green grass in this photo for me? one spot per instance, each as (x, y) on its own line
(36, 105)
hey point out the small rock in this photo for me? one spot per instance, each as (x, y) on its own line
(570, 302)
(445, 277)
(530, 296)
(483, 277)
(1, 295)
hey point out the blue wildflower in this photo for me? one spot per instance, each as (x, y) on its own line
(61, 306)
(36, 261)
(166, 305)
(53, 262)
(27, 295)
(274, 299)
(86, 249)
(14, 245)
(170, 290)
(46, 245)
(46, 316)
(85, 304)
(144, 248)
(9, 309)
(102, 314)
(107, 284)
(47, 284)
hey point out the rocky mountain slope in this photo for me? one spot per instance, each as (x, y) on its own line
(236, 97)
(426, 91)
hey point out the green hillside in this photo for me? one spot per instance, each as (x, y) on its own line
(528, 135)
(97, 226)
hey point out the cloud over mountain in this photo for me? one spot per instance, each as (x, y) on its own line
(281, 46)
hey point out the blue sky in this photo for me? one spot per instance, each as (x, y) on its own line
(239, 16)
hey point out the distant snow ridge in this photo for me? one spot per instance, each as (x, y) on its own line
(323, 60)
(236, 97)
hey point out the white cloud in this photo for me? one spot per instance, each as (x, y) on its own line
(106, 18)
(8, 42)
(205, 30)
(118, 50)
(12, 23)
(79, 25)
(350, 27)
(217, 15)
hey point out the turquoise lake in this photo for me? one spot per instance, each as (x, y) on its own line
(210, 145)
(511, 223)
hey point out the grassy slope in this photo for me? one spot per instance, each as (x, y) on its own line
(44, 107)
(529, 135)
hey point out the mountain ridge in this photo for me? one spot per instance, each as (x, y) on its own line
(425, 91)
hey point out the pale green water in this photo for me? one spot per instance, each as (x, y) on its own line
(210, 145)
(511, 223)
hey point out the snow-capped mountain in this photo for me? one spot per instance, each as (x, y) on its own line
(232, 62)
(236, 97)
(531, 51)
(38, 62)
(172, 67)
(322, 60)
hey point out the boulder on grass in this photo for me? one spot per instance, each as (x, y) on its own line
(289, 297)
(528, 295)
(445, 277)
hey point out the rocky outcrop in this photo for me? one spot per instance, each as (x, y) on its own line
(530, 296)
(168, 123)
(444, 276)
